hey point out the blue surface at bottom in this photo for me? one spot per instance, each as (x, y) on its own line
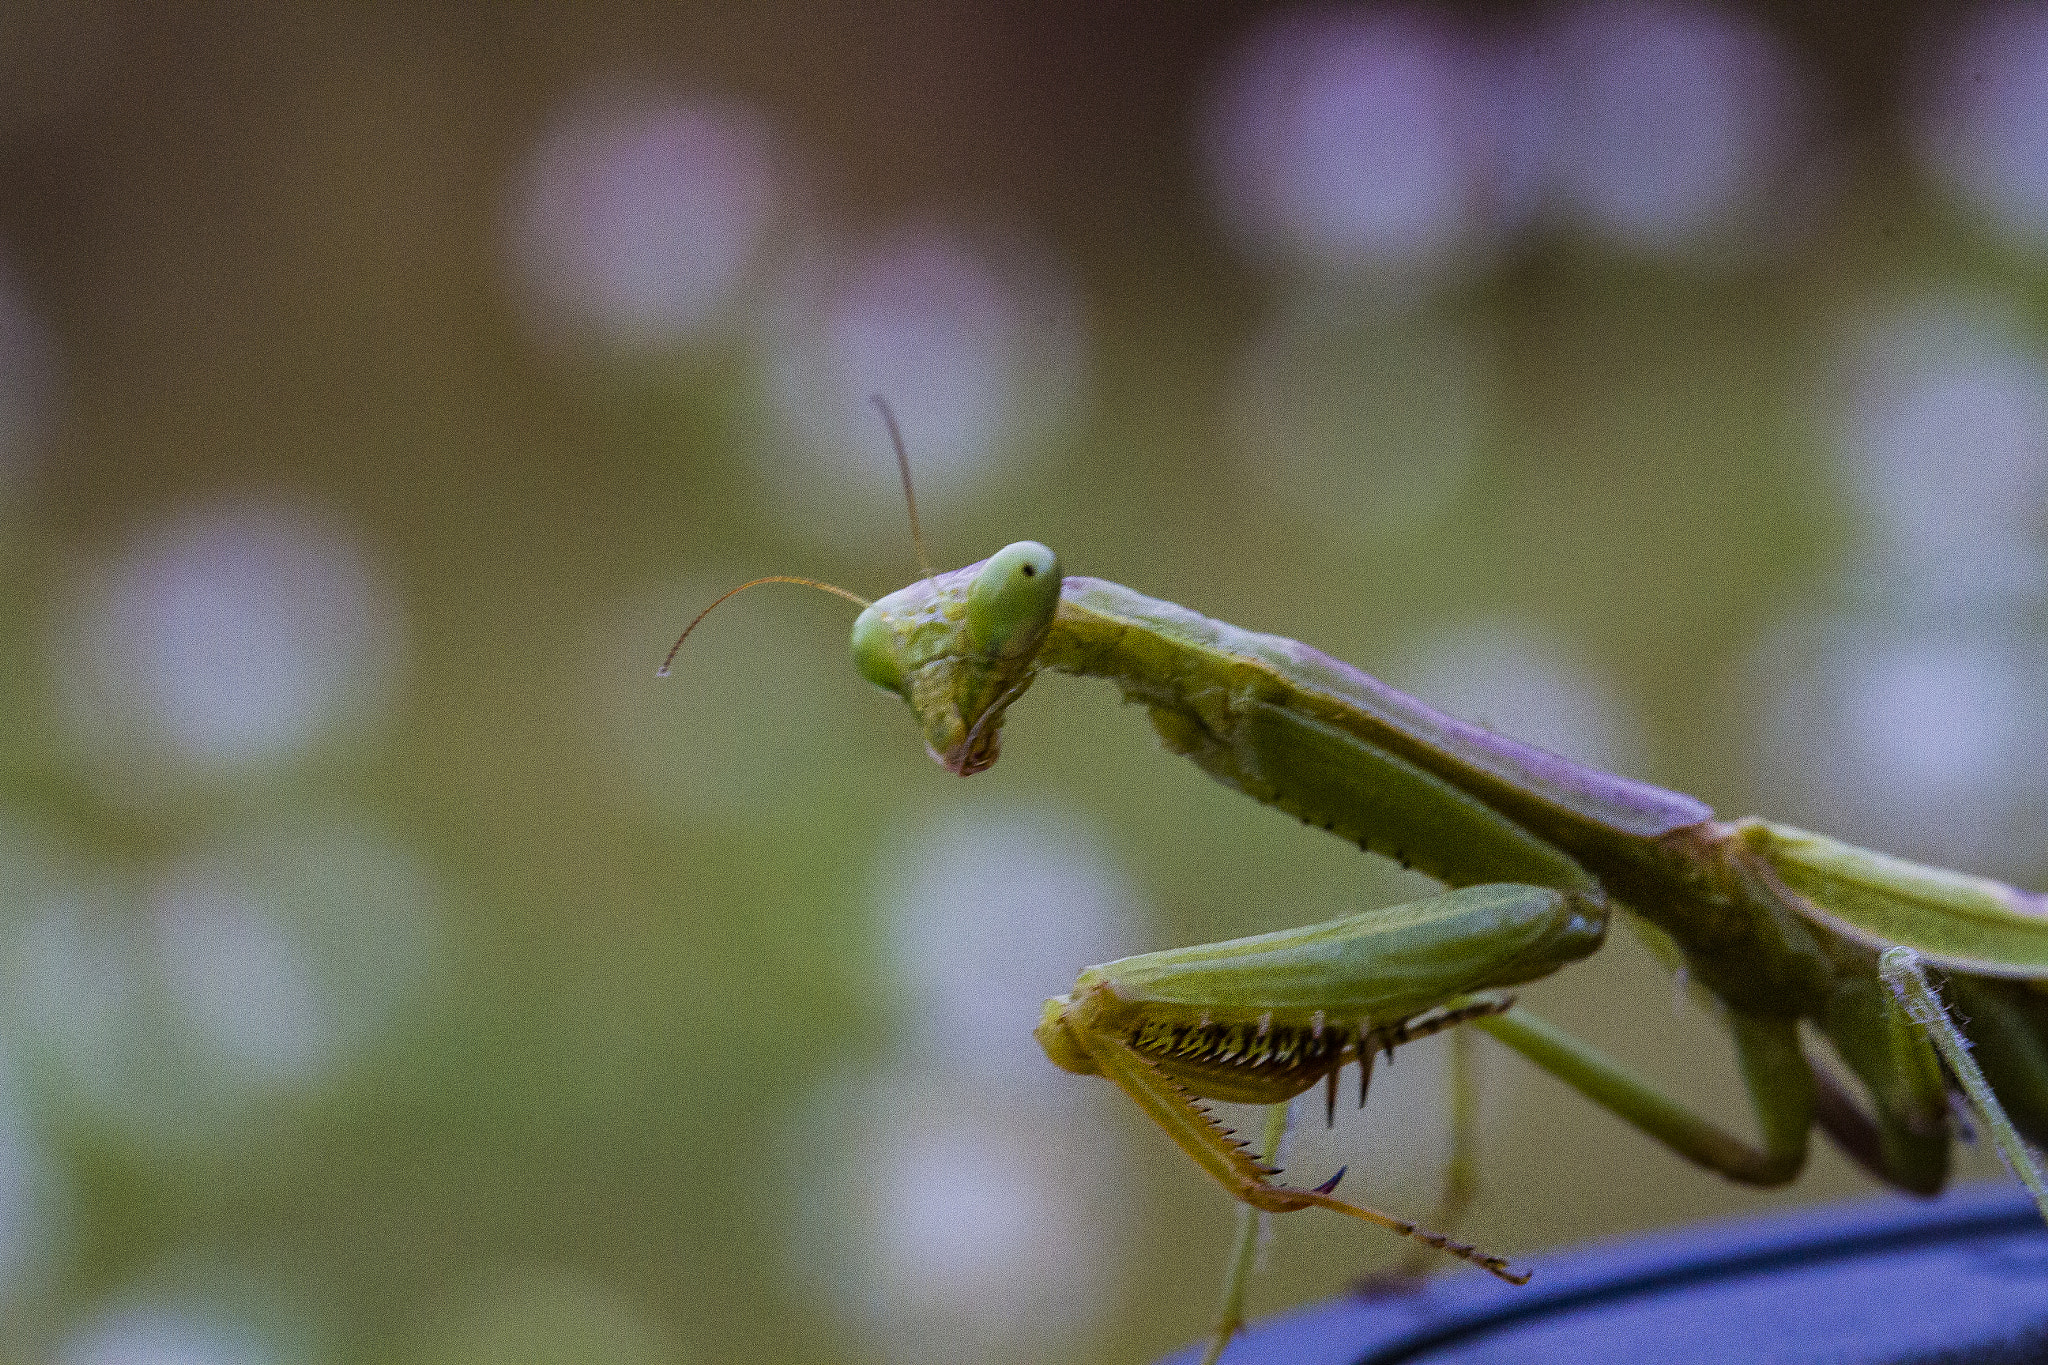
(1878, 1282)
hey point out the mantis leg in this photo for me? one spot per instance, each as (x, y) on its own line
(1461, 1172)
(1251, 1227)
(2007, 1023)
(1461, 1175)
(1188, 1122)
(1779, 1081)
(1904, 1141)
(1902, 972)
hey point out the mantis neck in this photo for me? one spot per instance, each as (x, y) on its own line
(1203, 678)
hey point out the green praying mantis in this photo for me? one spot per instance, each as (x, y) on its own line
(1777, 925)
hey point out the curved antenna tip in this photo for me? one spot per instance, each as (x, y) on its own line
(833, 588)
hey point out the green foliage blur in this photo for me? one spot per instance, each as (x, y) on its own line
(624, 1041)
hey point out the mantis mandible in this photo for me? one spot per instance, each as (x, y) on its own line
(1776, 924)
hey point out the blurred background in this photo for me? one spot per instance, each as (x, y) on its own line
(392, 969)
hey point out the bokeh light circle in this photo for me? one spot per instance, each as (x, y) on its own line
(1917, 730)
(243, 971)
(224, 634)
(1942, 435)
(1672, 126)
(952, 1219)
(974, 338)
(1353, 139)
(639, 218)
(1507, 676)
(989, 908)
(1982, 125)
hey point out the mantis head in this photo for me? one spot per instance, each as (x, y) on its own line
(1058, 1040)
(960, 647)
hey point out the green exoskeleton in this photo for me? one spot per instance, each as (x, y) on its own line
(1778, 925)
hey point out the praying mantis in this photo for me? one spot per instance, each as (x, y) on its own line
(1778, 926)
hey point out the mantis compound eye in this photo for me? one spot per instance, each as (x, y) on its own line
(1011, 603)
(875, 651)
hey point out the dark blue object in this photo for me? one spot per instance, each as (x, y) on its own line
(1962, 1279)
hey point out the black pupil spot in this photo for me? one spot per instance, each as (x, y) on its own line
(1029, 571)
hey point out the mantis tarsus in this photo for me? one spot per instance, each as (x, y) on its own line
(1777, 925)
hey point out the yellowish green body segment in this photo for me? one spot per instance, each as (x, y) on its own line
(1779, 925)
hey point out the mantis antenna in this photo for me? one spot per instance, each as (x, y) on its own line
(832, 588)
(924, 560)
